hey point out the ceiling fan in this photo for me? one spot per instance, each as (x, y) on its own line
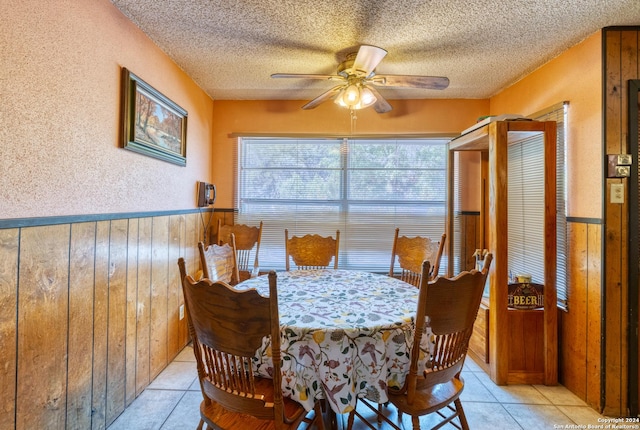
(358, 80)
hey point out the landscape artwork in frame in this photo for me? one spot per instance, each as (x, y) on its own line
(152, 124)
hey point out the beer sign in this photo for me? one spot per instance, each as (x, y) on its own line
(525, 295)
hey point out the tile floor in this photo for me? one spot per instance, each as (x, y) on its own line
(172, 401)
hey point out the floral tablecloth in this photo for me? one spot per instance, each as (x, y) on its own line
(345, 334)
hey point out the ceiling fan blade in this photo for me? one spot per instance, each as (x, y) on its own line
(323, 97)
(308, 76)
(428, 82)
(368, 59)
(381, 105)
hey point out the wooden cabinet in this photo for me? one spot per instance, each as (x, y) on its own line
(520, 346)
(526, 343)
(479, 343)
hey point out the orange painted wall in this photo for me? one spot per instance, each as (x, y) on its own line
(441, 116)
(60, 121)
(574, 76)
(470, 187)
(59, 124)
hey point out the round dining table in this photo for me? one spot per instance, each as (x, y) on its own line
(344, 334)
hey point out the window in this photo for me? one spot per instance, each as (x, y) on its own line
(363, 187)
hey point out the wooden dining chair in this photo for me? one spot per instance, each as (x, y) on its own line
(410, 252)
(447, 309)
(247, 246)
(311, 251)
(219, 262)
(227, 327)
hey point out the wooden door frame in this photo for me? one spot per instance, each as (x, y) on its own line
(634, 251)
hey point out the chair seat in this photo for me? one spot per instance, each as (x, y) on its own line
(429, 399)
(217, 416)
(264, 387)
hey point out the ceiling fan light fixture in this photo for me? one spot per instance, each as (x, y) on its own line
(355, 96)
(340, 102)
(367, 98)
(348, 97)
(351, 95)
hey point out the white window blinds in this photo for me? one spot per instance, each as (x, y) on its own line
(363, 187)
(526, 208)
(526, 203)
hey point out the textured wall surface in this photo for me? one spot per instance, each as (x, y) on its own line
(60, 114)
(576, 77)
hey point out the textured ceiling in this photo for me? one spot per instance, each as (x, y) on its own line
(230, 48)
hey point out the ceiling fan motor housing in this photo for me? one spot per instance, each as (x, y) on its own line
(346, 67)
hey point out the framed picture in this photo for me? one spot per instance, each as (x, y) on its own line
(151, 123)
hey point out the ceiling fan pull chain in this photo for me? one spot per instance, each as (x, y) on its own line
(353, 121)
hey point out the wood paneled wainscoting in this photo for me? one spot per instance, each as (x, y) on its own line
(580, 325)
(89, 313)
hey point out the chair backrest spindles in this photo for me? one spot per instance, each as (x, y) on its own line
(447, 309)
(410, 252)
(247, 241)
(311, 251)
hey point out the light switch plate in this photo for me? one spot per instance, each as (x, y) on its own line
(181, 312)
(617, 193)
